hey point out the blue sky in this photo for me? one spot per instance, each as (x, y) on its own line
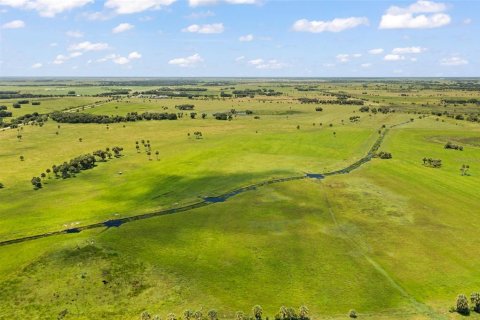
(239, 38)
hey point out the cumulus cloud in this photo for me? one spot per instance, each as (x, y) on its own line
(121, 60)
(201, 15)
(408, 50)
(205, 28)
(122, 27)
(376, 51)
(129, 6)
(37, 65)
(419, 15)
(15, 24)
(271, 64)
(190, 61)
(46, 8)
(343, 57)
(335, 25)
(88, 46)
(74, 34)
(246, 38)
(393, 57)
(196, 3)
(453, 61)
(60, 59)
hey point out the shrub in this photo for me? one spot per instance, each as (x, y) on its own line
(16, 105)
(474, 298)
(352, 313)
(462, 305)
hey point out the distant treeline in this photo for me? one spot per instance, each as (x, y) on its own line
(461, 101)
(339, 101)
(78, 117)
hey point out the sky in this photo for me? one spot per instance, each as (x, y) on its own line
(239, 38)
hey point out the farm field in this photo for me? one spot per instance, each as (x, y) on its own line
(393, 238)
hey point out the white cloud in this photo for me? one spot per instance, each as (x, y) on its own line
(205, 28)
(366, 65)
(190, 61)
(419, 15)
(271, 64)
(60, 59)
(88, 46)
(115, 58)
(196, 3)
(376, 51)
(97, 16)
(246, 38)
(37, 65)
(15, 24)
(74, 34)
(122, 27)
(46, 8)
(130, 6)
(453, 61)
(240, 58)
(336, 25)
(408, 50)
(343, 57)
(201, 15)
(393, 57)
(134, 55)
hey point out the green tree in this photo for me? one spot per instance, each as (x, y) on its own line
(198, 315)
(475, 300)
(303, 312)
(239, 315)
(352, 313)
(188, 314)
(257, 312)
(212, 314)
(156, 154)
(462, 305)
(171, 316)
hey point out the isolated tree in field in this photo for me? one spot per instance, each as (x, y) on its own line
(462, 305)
(80, 139)
(188, 314)
(138, 148)
(475, 300)
(257, 312)
(149, 155)
(464, 169)
(145, 316)
(352, 313)
(156, 154)
(1, 185)
(212, 314)
(48, 172)
(156, 317)
(22, 158)
(43, 176)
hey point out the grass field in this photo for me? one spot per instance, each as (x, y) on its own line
(393, 239)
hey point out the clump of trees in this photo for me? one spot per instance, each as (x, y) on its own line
(432, 163)
(185, 107)
(354, 118)
(464, 169)
(450, 145)
(318, 109)
(70, 168)
(35, 103)
(223, 116)
(78, 117)
(5, 114)
(384, 155)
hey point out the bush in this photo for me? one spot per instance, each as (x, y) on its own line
(35, 103)
(462, 305)
(16, 105)
(318, 109)
(23, 101)
(352, 313)
(474, 299)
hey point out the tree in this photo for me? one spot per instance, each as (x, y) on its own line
(36, 182)
(156, 154)
(171, 316)
(198, 315)
(464, 169)
(212, 314)
(188, 314)
(43, 175)
(475, 300)
(352, 313)
(138, 148)
(257, 312)
(239, 315)
(145, 315)
(303, 312)
(462, 305)
(1, 185)
(149, 155)
(22, 158)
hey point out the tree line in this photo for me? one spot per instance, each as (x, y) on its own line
(76, 165)
(78, 117)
